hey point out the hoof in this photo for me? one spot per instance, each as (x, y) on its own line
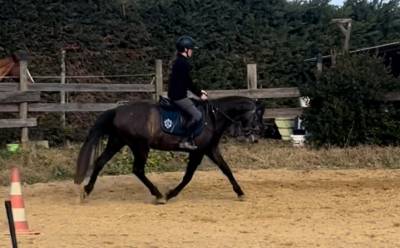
(242, 198)
(160, 201)
(170, 194)
(168, 197)
(82, 194)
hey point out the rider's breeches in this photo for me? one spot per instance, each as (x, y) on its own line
(194, 115)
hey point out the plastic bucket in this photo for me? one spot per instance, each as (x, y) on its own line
(298, 140)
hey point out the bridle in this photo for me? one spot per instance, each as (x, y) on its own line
(217, 110)
(246, 130)
(214, 110)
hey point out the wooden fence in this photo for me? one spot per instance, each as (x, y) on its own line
(23, 97)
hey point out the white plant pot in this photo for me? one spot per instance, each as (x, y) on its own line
(304, 101)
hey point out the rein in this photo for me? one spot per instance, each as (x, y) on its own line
(215, 110)
(226, 116)
(212, 110)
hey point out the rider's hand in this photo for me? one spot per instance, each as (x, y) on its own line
(204, 95)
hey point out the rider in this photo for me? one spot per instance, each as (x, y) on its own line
(179, 82)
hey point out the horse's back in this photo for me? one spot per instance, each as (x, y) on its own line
(137, 118)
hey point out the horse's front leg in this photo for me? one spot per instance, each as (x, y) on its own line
(194, 161)
(215, 155)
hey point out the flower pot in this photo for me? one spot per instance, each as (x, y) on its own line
(13, 148)
(285, 127)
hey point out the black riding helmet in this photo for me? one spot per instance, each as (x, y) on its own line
(183, 42)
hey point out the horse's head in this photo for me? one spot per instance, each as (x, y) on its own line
(252, 122)
(244, 112)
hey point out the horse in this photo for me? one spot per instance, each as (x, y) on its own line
(9, 67)
(138, 125)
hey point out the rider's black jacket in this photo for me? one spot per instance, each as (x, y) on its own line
(180, 80)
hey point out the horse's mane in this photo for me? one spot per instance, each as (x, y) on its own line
(241, 102)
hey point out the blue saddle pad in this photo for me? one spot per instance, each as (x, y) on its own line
(172, 122)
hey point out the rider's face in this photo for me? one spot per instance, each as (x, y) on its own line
(189, 52)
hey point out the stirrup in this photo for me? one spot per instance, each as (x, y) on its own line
(187, 145)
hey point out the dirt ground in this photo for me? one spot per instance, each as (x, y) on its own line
(284, 208)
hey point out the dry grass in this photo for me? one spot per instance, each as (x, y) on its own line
(279, 154)
(39, 165)
(56, 163)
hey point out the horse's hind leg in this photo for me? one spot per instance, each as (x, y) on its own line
(216, 157)
(141, 153)
(113, 146)
(194, 161)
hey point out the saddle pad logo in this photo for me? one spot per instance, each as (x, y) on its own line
(168, 123)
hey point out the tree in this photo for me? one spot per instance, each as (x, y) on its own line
(347, 106)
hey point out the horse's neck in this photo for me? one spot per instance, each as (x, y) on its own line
(222, 119)
(6, 65)
(6, 61)
(232, 107)
(228, 109)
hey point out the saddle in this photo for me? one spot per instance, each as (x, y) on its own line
(173, 121)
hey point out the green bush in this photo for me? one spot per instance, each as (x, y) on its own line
(347, 106)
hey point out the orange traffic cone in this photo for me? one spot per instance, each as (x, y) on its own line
(17, 204)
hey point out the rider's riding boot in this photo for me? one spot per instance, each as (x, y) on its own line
(188, 143)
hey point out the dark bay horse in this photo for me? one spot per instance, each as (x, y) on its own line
(138, 126)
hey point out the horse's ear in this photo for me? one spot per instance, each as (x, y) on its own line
(260, 104)
(260, 107)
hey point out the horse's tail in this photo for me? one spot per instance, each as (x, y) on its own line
(101, 128)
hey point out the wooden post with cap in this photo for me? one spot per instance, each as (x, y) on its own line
(23, 86)
(345, 26)
(252, 76)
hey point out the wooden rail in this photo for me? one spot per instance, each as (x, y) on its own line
(13, 123)
(19, 96)
(57, 87)
(258, 93)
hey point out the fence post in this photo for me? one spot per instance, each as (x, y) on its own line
(159, 79)
(333, 58)
(123, 9)
(62, 93)
(23, 107)
(345, 27)
(319, 63)
(252, 76)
